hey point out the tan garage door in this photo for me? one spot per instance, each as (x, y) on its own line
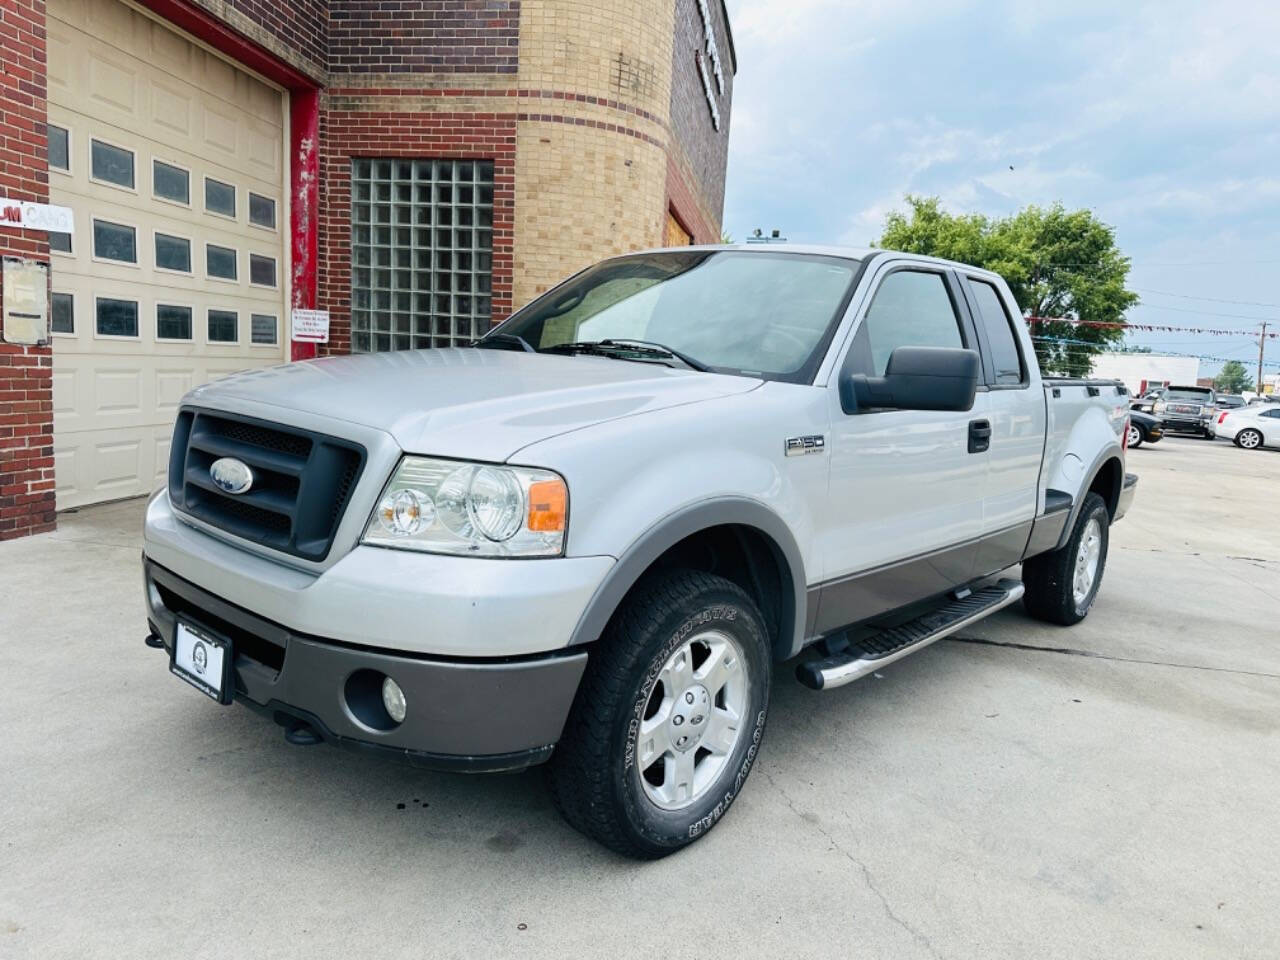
(172, 159)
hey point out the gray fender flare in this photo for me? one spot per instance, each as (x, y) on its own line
(1110, 452)
(675, 527)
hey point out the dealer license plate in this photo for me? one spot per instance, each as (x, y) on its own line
(203, 660)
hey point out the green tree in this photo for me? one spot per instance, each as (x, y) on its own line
(1062, 265)
(1233, 378)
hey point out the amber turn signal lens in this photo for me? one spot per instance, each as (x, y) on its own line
(548, 506)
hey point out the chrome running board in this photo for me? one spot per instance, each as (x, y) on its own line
(869, 655)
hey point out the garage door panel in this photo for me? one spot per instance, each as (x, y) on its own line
(172, 108)
(119, 76)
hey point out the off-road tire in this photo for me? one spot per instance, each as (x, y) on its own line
(1048, 578)
(593, 777)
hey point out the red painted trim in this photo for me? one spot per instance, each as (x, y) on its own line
(304, 206)
(208, 28)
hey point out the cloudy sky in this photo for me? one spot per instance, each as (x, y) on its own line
(1163, 118)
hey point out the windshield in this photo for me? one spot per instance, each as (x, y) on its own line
(1198, 394)
(769, 315)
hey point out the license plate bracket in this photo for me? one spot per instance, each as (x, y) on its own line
(204, 660)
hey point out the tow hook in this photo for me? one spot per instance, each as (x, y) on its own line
(154, 641)
(303, 735)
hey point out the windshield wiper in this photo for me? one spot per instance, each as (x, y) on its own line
(615, 347)
(503, 341)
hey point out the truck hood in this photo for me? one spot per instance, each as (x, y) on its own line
(468, 403)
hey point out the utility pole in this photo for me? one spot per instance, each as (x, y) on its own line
(1262, 349)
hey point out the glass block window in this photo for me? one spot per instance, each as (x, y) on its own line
(62, 313)
(421, 253)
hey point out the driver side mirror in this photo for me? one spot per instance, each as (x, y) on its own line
(916, 378)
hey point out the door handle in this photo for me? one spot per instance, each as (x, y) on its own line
(979, 436)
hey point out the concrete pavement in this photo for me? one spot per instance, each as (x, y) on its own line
(1109, 792)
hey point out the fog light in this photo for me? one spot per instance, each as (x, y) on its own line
(393, 699)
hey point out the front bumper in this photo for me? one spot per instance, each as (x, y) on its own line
(1187, 424)
(398, 600)
(474, 715)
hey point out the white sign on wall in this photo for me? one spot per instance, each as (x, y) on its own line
(716, 70)
(310, 326)
(22, 215)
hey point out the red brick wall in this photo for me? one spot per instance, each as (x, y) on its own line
(424, 36)
(300, 25)
(345, 134)
(705, 149)
(26, 397)
(681, 201)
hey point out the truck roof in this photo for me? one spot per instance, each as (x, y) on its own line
(822, 250)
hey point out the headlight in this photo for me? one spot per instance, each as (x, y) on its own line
(471, 509)
(1157, 407)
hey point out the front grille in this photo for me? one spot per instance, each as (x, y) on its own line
(302, 481)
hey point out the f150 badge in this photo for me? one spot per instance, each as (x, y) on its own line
(803, 446)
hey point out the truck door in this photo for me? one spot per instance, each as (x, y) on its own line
(1016, 410)
(904, 510)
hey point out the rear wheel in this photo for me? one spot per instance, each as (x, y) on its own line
(1249, 439)
(669, 716)
(1061, 585)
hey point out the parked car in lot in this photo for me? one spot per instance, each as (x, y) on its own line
(587, 541)
(1251, 427)
(1187, 410)
(1147, 401)
(1144, 428)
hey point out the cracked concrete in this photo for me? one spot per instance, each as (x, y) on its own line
(978, 800)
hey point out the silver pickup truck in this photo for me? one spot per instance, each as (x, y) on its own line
(587, 539)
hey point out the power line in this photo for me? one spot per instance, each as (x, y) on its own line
(1139, 353)
(1187, 296)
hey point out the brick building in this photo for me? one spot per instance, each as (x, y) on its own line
(417, 168)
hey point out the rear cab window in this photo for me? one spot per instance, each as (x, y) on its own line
(1007, 368)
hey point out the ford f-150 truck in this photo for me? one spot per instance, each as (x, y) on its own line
(587, 538)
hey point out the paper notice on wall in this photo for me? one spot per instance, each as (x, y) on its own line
(310, 326)
(26, 301)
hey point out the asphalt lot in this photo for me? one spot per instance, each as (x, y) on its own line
(1109, 792)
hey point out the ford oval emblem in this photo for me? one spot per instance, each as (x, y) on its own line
(231, 475)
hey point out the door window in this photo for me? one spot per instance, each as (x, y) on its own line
(911, 308)
(995, 320)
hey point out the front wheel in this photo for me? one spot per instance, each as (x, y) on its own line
(1061, 585)
(1249, 439)
(668, 718)
(1135, 437)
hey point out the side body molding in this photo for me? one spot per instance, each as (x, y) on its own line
(675, 527)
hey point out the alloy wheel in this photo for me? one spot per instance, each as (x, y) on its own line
(1087, 557)
(693, 720)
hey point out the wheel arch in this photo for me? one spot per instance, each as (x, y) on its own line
(743, 539)
(1106, 478)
